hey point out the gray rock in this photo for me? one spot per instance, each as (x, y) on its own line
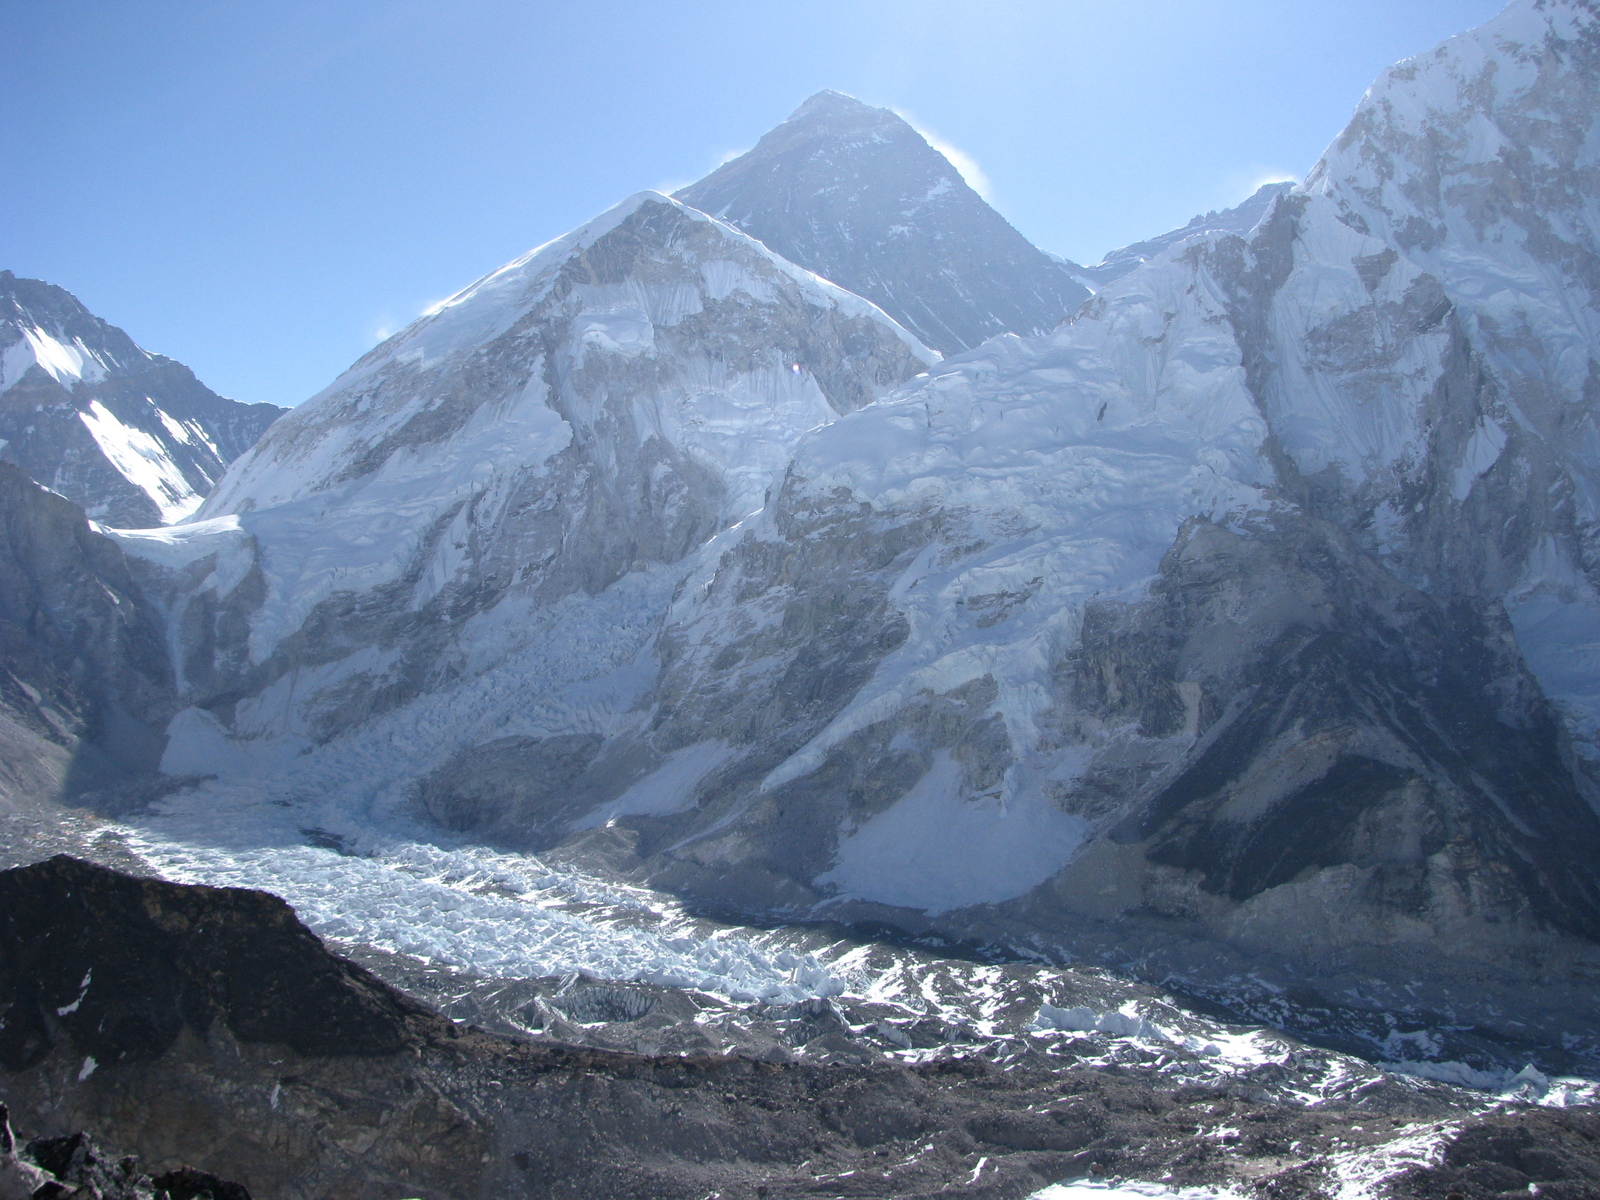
(856, 195)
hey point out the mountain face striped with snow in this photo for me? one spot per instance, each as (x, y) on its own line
(1243, 619)
(856, 195)
(1255, 600)
(132, 437)
(573, 425)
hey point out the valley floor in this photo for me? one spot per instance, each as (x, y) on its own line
(1005, 1073)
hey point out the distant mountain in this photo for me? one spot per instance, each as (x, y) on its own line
(1240, 219)
(131, 436)
(858, 196)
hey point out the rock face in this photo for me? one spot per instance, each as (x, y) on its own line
(856, 195)
(132, 437)
(85, 686)
(73, 1165)
(118, 968)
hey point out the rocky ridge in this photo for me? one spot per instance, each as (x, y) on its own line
(132, 437)
(85, 683)
(1241, 219)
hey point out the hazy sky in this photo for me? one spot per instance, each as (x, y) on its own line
(261, 190)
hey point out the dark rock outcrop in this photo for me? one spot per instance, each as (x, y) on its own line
(115, 968)
(1549, 1153)
(73, 1167)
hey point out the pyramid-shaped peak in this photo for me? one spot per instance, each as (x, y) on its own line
(829, 105)
(856, 195)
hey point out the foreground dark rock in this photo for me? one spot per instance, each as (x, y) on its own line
(73, 1166)
(207, 1026)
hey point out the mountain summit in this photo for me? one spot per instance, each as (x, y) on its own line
(131, 436)
(857, 195)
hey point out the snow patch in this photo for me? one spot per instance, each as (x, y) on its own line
(1086, 1020)
(65, 362)
(143, 462)
(1482, 452)
(668, 789)
(935, 850)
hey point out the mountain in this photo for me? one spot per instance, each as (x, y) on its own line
(131, 436)
(858, 196)
(1240, 219)
(1238, 629)
(1252, 604)
(547, 447)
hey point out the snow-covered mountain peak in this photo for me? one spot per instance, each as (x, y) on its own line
(131, 436)
(597, 408)
(857, 195)
(609, 290)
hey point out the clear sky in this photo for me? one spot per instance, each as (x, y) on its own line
(261, 190)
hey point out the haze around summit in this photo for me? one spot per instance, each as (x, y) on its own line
(264, 193)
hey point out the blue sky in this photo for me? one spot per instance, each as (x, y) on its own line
(261, 190)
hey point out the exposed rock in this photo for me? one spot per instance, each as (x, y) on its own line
(85, 689)
(1552, 1153)
(118, 967)
(73, 1166)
